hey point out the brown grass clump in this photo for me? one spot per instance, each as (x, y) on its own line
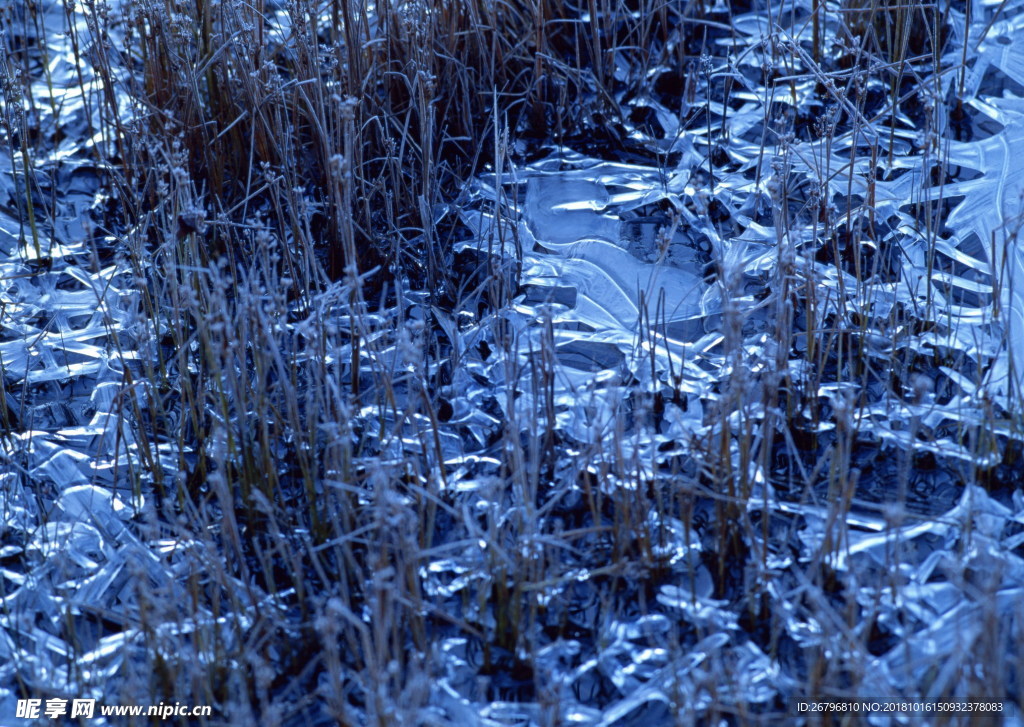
(350, 122)
(896, 31)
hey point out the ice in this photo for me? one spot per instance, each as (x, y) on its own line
(565, 217)
(561, 210)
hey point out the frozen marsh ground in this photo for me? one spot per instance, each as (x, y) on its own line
(512, 363)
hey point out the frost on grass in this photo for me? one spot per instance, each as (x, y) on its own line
(713, 417)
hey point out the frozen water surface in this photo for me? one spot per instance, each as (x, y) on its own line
(641, 348)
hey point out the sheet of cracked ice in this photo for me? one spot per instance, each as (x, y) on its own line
(585, 298)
